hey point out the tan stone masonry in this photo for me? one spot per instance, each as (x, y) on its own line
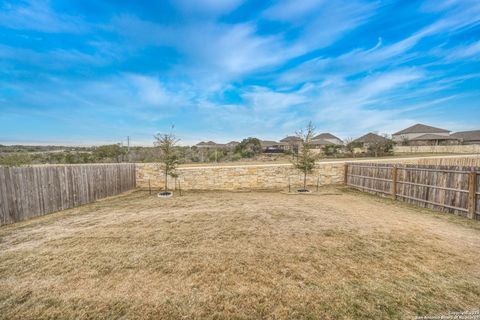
(238, 177)
(270, 176)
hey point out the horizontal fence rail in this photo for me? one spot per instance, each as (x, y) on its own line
(453, 189)
(27, 192)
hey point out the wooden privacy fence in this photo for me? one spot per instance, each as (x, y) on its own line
(453, 189)
(27, 192)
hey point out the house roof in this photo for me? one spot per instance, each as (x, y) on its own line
(421, 128)
(268, 143)
(291, 139)
(473, 135)
(208, 143)
(325, 135)
(321, 142)
(370, 138)
(430, 136)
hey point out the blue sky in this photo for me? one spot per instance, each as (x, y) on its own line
(90, 72)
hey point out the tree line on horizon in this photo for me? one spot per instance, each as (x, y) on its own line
(248, 149)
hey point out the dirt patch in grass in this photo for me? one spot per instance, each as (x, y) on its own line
(335, 254)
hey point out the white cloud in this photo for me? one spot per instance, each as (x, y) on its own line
(292, 10)
(264, 100)
(151, 91)
(55, 59)
(320, 23)
(225, 51)
(209, 7)
(391, 55)
(37, 15)
(365, 104)
(469, 51)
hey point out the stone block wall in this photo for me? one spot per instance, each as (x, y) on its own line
(270, 176)
(472, 148)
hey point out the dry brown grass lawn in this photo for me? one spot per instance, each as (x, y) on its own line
(334, 255)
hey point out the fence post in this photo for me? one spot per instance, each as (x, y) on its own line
(472, 196)
(345, 174)
(394, 183)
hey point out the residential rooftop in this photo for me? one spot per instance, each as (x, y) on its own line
(370, 138)
(421, 128)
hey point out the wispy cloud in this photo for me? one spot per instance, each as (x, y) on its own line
(37, 15)
(207, 7)
(321, 23)
(228, 69)
(468, 51)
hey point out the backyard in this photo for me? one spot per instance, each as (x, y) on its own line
(335, 254)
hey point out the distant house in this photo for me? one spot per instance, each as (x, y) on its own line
(431, 139)
(371, 142)
(320, 143)
(269, 146)
(209, 145)
(290, 143)
(327, 138)
(467, 137)
(232, 144)
(369, 139)
(421, 134)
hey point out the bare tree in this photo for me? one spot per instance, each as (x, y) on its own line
(381, 147)
(350, 146)
(305, 161)
(166, 142)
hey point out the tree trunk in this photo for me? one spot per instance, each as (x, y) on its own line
(166, 181)
(305, 180)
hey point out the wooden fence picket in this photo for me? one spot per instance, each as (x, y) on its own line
(27, 192)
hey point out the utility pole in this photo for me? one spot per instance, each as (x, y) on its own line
(128, 144)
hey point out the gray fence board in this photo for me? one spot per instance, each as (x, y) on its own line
(443, 188)
(27, 192)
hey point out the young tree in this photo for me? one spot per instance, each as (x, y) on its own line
(305, 161)
(166, 143)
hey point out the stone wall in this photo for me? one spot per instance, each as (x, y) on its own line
(459, 160)
(270, 176)
(473, 148)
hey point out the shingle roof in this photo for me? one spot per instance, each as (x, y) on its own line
(291, 139)
(421, 128)
(267, 143)
(208, 143)
(370, 138)
(321, 142)
(430, 136)
(473, 135)
(325, 135)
